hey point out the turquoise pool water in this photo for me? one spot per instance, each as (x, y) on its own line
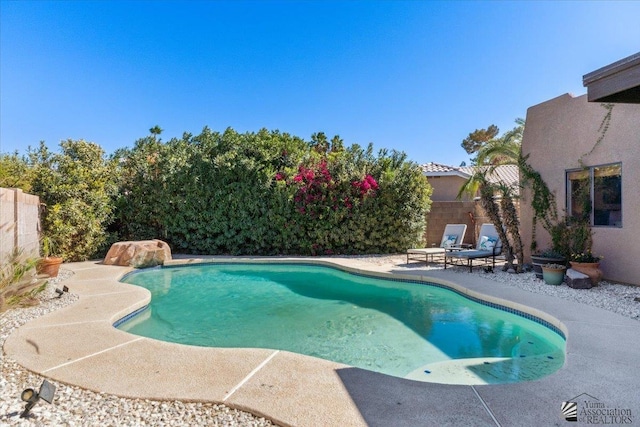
(409, 330)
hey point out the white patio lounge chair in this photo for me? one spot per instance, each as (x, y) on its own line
(488, 247)
(453, 236)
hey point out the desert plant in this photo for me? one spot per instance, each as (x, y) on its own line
(48, 246)
(16, 280)
(586, 257)
(548, 253)
(555, 266)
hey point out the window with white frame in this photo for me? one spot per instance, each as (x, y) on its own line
(595, 194)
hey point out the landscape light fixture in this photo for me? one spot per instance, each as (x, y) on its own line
(47, 390)
(60, 292)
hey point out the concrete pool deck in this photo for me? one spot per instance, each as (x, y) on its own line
(78, 345)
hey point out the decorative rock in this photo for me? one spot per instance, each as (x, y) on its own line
(577, 280)
(139, 254)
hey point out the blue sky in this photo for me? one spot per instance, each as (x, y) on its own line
(412, 76)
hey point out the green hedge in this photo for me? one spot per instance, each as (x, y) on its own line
(269, 193)
(264, 193)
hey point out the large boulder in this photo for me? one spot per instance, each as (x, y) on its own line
(138, 254)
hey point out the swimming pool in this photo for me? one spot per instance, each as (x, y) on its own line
(406, 329)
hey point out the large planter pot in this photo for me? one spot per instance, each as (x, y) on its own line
(49, 266)
(591, 269)
(553, 276)
(539, 261)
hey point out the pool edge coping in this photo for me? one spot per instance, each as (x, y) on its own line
(261, 410)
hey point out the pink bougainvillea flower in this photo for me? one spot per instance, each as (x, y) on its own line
(372, 181)
(347, 203)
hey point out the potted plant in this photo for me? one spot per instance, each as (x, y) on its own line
(553, 274)
(49, 264)
(587, 263)
(547, 256)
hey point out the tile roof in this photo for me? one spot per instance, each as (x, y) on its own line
(507, 174)
(437, 167)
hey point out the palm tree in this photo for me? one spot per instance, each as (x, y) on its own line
(156, 130)
(504, 150)
(479, 184)
(511, 222)
(499, 151)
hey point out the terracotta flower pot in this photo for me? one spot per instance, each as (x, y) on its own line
(49, 266)
(591, 269)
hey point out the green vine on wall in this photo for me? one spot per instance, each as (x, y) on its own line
(543, 200)
(602, 130)
(571, 234)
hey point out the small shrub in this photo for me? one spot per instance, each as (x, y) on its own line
(16, 280)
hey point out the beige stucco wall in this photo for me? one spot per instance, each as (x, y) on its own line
(557, 133)
(445, 188)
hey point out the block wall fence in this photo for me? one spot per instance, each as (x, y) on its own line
(19, 222)
(456, 212)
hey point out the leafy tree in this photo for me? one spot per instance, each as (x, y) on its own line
(76, 186)
(479, 137)
(337, 144)
(320, 143)
(15, 172)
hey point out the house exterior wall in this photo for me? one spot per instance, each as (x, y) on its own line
(446, 188)
(558, 133)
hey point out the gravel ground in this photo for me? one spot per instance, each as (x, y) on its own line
(74, 406)
(614, 297)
